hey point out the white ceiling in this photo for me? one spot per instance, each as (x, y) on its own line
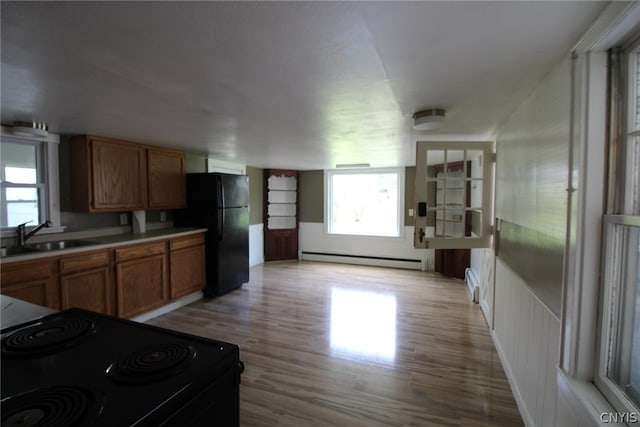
(300, 85)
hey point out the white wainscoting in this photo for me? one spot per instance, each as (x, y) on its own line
(482, 267)
(256, 244)
(527, 336)
(312, 238)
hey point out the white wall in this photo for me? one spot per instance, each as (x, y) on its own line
(532, 151)
(527, 336)
(313, 238)
(256, 244)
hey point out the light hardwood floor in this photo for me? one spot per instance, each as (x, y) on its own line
(343, 345)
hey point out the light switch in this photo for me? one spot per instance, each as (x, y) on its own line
(410, 212)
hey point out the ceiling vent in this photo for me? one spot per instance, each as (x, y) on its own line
(429, 119)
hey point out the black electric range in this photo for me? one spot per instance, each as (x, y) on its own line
(79, 368)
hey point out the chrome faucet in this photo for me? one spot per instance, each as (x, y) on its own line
(22, 236)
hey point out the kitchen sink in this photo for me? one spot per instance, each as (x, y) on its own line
(58, 245)
(44, 247)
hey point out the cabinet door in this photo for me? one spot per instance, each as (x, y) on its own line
(281, 214)
(34, 282)
(167, 188)
(92, 290)
(141, 285)
(86, 281)
(119, 173)
(187, 271)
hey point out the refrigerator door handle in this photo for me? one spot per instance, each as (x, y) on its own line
(221, 192)
(221, 213)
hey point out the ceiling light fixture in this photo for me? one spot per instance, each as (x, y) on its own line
(353, 165)
(30, 128)
(430, 119)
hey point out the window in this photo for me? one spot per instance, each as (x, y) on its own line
(28, 181)
(618, 370)
(23, 182)
(365, 202)
(454, 194)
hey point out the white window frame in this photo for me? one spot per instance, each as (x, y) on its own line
(613, 297)
(51, 210)
(422, 239)
(328, 197)
(583, 255)
(613, 291)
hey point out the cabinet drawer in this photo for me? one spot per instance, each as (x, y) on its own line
(185, 242)
(41, 269)
(139, 251)
(84, 261)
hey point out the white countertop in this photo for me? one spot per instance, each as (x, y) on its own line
(104, 242)
(14, 311)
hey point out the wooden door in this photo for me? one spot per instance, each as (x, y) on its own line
(141, 283)
(92, 290)
(186, 265)
(450, 221)
(167, 187)
(281, 214)
(86, 281)
(119, 175)
(34, 281)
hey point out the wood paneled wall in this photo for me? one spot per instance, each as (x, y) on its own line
(531, 180)
(527, 337)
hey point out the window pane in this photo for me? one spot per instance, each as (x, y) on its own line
(624, 367)
(365, 204)
(637, 101)
(633, 174)
(20, 175)
(22, 206)
(22, 194)
(19, 163)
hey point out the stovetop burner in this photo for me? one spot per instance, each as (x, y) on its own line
(152, 363)
(46, 337)
(49, 407)
(116, 372)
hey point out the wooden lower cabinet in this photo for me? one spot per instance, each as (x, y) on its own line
(86, 281)
(32, 281)
(187, 265)
(452, 262)
(281, 244)
(124, 282)
(141, 281)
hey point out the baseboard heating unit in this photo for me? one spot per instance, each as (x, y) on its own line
(412, 264)
(473, 284)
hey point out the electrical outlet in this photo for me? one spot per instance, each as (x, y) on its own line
(163, 216)
(124, 220)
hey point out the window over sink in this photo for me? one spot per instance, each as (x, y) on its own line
(28, 180)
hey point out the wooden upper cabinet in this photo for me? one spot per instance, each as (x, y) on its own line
(112, 175)
(167, 188)
(107, 175)
(119, 171)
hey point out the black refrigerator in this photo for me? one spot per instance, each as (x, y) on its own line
(220, 202)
